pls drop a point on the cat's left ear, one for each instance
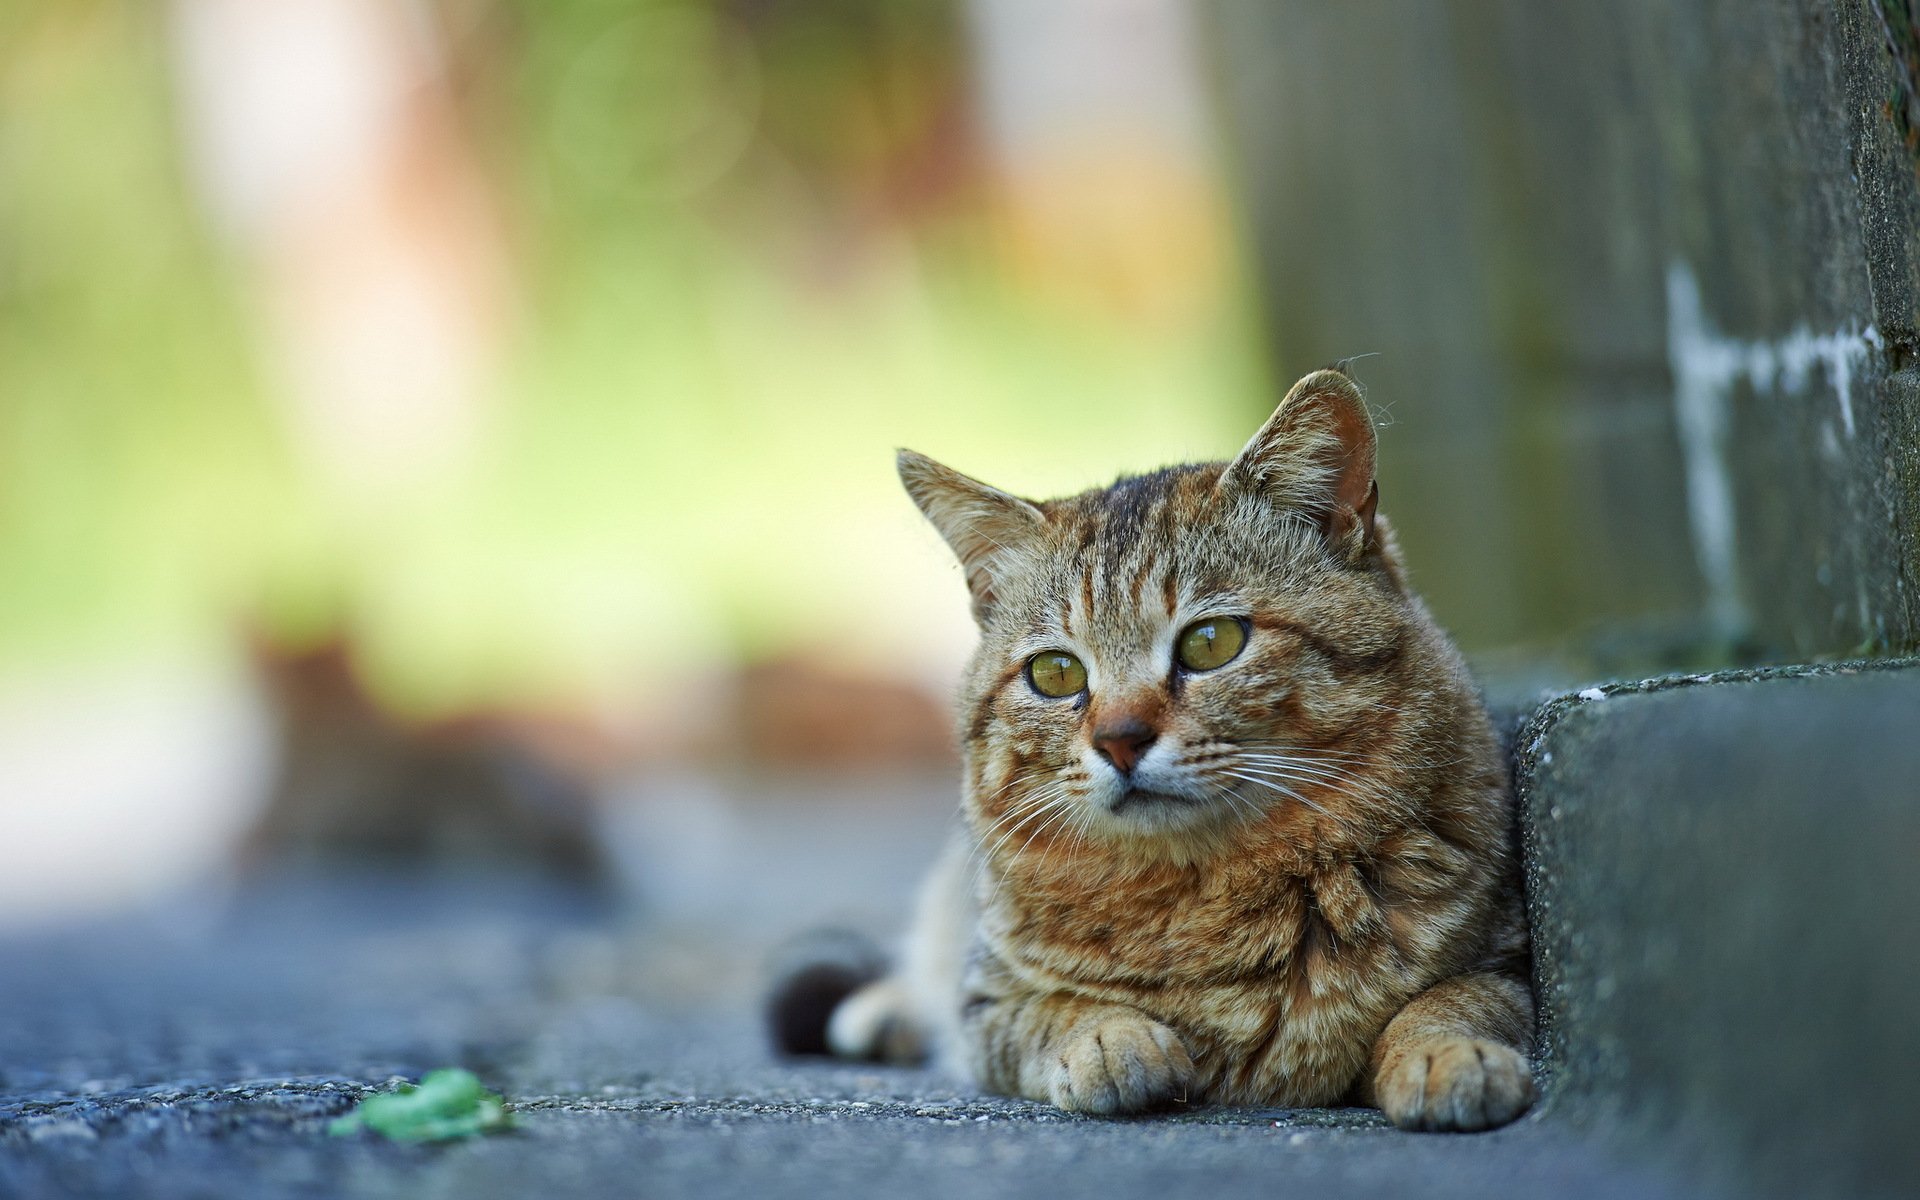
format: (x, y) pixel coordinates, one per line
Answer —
(1316, 455)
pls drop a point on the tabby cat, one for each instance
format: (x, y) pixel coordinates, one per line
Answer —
(1237, 827)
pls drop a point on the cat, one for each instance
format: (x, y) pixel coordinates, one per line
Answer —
(1238, 829)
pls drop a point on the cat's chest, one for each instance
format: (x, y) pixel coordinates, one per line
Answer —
(1204, 932)
(1277, 982)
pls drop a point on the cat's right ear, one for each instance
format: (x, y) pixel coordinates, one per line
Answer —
(983, 524)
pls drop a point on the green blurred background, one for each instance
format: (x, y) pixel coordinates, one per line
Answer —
(699, 269)
(389, 391)
(415, 409)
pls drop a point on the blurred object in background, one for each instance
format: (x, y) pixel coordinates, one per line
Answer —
(796, 713)
(118, 784)
(329, 152)
(1109, 195)
(549, 358)
(356, 787)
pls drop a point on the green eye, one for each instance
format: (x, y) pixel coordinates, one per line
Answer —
(1056, 673)
(1212, 643)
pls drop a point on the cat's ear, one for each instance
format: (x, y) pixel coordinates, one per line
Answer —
(1315, 455)
(982, 524)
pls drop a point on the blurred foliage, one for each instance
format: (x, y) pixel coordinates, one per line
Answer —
(447, 1105)
(140, 480)
(755, 249)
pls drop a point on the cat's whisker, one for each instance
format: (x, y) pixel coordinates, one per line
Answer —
(1010, 784)
(1032, 801)
(1027, 809)
(1039, 795)
(1030, 809)
(1330, 771)
(1401, 805)
(1293, 759)
(1338, 757)
(1339, 781)
(1304, 780)
(1294, 772)
(1031, 813)
(1078, 826)
(1275, 784)
(1289, 793)
(1309, 770)
(1025, 805)
(1326, 754)
(1307, 756)
(1378, 796)
(1086, 826)
(1071, 775)
(1241, 804)
(1064, 808)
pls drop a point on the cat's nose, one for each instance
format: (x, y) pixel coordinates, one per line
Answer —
(1123, 742)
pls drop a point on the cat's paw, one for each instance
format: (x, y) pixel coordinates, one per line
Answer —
(878, 1024)
(1454, 1083)
(1119, 1063)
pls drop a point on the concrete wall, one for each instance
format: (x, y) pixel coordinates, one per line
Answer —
(1641, 282)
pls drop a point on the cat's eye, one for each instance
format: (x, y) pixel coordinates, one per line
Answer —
(1056, 673)
(1211, 643)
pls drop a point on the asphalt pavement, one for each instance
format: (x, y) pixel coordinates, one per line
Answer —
(202, 1050)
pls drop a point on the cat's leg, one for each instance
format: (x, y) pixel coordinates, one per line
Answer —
(1083, 1055)
(911, 1014)
(1454, 1057)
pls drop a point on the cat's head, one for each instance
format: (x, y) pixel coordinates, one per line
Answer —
(1188, 651)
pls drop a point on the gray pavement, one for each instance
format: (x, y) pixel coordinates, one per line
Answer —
(195, 1057)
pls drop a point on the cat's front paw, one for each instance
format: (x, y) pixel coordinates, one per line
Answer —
(1119, 1063)
(1454, 1083)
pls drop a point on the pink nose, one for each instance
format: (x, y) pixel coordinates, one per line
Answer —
(1123, 742)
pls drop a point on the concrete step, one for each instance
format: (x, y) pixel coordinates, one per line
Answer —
(1724, 876)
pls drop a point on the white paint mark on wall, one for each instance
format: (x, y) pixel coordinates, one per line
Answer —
(1706, 366)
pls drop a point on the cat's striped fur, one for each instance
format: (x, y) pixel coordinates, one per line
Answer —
(1303, 893)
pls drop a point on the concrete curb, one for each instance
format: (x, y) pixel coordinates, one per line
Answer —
(1717, 868)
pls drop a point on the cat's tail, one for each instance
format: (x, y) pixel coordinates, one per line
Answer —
(810, 977)
(835, 993)
(831, 994)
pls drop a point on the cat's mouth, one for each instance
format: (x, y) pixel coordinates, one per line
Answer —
(1141, 798)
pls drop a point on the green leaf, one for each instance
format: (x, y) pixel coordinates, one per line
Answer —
(447, 1104)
